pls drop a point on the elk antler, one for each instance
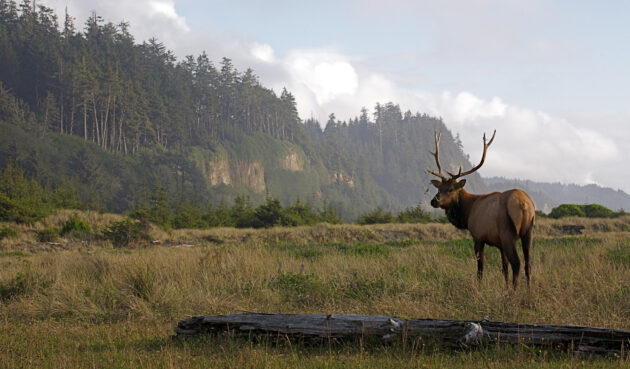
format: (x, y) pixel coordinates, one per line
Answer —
(483, 157)
(436, 154)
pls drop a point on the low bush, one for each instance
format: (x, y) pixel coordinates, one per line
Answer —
(8, 232)
(413, 215)
(597, 211)
(127, 231)
(567, 210)
(48, 235)
(376, 216)
(21, 200)
(587, 211)
(76, 226)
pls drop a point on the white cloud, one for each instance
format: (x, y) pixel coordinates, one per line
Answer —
(167, 9)
(147, 18)
(326, 74)
(530, 144)
(263, 52)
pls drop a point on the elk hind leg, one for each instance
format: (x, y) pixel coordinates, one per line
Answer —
(526, 242)
(505, 268)
(509, 254)
(512, 256)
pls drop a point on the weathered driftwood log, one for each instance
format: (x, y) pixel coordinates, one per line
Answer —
(571, 228)
(458, 333)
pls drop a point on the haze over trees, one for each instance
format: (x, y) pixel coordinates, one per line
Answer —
(115, 119)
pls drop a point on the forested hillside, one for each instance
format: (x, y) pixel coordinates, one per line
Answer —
(92, 109)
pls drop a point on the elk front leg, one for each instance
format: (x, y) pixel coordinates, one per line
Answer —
(480, 258)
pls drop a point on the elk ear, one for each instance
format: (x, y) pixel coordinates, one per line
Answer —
(460, 184)
(436, 183)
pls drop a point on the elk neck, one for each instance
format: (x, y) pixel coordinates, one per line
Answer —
(459, 212)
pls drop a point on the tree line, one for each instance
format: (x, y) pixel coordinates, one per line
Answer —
(98, 84)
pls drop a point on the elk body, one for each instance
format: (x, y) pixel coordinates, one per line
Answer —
(498, 219)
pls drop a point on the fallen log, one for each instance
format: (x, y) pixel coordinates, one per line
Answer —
(453, 333)
(571, 229)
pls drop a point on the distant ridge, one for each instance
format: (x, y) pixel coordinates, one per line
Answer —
(546, 196)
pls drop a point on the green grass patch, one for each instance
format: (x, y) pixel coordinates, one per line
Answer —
(620, 255)
(300, 289)
(316, 250)
(401, 243)
(568, 242)
(8, 232)
(463, 248)
(13, 254)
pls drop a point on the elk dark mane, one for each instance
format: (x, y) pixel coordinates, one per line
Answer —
(455, 215)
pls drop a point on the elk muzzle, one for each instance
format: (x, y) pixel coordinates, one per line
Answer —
(435, 201)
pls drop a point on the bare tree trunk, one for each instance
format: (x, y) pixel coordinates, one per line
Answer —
(72, 115)
(104, 122)
(96, 123)
(84, 119)
(61, 115)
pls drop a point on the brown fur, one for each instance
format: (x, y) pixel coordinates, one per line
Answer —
(497, 219)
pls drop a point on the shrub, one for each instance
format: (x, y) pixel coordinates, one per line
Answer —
(188, 216)
(127, 231)
(21, 200)
(567, 210)
(76, 226)
(159, 211)
(589, 211)
(219, 217)
(242, 213)
(8, 232)
(300, 214)
(48, 235)
(329, 215)
(376, 216)
(269, 214)
(597, 211)
(413, 215)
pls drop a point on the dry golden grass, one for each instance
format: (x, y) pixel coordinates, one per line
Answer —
(419, 271)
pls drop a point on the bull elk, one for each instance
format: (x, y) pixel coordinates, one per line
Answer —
(498, 219)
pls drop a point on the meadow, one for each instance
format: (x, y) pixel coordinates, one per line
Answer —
(81, 302)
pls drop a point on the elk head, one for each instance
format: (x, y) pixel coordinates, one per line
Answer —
(448, 188)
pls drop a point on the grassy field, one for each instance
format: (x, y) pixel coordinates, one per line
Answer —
(79, 303)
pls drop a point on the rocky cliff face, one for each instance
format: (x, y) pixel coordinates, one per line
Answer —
(292, 162)
(250, 174)
(340, 178)
(219, 172)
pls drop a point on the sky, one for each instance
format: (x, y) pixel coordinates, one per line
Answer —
(550, 76)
